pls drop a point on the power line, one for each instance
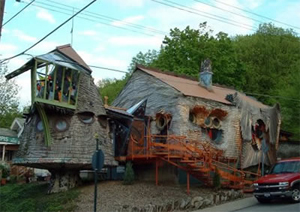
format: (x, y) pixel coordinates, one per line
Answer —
(167, 79)
(254, 94)
(83, 16)
(103, 17)
(96, 21)
(18, 12)
(94, 66)
(109, 69)
(256, 14)
(49, 33)
(266, 95)
(221, 19)
(188, 83)
(115, 19)
(229, 11)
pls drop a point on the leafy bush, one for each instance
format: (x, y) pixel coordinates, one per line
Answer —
(13, 179)
(5, 171)
(129, 174)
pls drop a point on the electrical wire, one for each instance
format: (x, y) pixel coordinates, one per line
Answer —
(209, 14)
(92, 20)
(83, 16)
(18, 13)
(109, 69)
(230, 11)
(182, 7)
(94, 66)
(115, 19)
(39, 41)
(188, 83)
(89, 14)
(256, 14)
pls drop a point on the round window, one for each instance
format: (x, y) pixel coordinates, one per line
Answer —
(86, 118)
(192, 117)
(208, 122)
(40, 126)
(161, 122)
(61, 125)
(216, 122)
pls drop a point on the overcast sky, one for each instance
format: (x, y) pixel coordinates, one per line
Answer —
(110, 32)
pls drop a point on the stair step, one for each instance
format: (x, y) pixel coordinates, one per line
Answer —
(202, 169)
(187, 161)
(160, 153)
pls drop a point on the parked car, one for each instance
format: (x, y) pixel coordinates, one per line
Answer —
(283, 181)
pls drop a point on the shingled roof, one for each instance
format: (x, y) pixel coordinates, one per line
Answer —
(191, 87)
(68, 51)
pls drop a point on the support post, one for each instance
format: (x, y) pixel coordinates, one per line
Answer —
(156, 172)
(3, 152)
(188, 183)
(96, 175)
(262, 163)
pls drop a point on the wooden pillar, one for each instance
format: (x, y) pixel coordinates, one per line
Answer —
(188, 182)
(156, 172)
(3, 152)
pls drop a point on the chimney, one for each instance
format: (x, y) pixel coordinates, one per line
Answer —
(205, 78)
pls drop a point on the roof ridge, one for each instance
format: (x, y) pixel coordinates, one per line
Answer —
(183, 76)
(75, 57)
(167, 72)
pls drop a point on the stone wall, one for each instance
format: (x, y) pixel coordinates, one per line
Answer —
(188, 204)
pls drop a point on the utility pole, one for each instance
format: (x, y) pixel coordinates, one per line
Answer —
(2, 5)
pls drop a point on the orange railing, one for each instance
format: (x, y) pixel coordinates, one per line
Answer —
(195, 157)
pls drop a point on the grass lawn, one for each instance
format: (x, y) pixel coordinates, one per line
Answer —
(32, 197)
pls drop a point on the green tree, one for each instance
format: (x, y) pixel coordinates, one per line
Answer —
(145, 59)
(290, 106)
(270, 63)
(129, 174)
(184, 51)
(111, 88)
(267, 57)
(8, 99)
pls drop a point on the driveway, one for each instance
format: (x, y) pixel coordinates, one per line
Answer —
(250, 204)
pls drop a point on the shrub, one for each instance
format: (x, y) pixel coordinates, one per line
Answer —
(5, 171)
(217, 179)
(13, 179)
(129, 174)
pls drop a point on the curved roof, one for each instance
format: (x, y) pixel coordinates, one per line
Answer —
(190, 87)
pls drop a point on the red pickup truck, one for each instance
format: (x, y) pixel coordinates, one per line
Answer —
(283, 181)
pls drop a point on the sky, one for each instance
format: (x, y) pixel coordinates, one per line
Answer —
(110, 32)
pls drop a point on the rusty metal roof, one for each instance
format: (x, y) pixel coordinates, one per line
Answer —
(190, 87)
(68, 51)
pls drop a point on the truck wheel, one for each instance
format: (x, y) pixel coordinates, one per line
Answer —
(295, 194)
(263, 201)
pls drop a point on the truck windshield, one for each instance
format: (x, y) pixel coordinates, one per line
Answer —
(286, 167)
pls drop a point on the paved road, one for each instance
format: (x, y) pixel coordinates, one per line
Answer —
(272, 207)
(251, 205)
